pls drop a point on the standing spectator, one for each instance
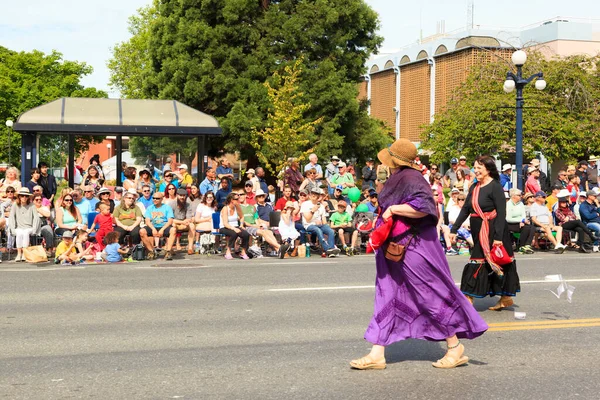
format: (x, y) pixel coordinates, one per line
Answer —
(561, 179)
(533, 181)
(251, 175)
(182, 221)
(225, 172)
(95, 162)
(35, 179)
(552, 199)
(222, 193)
(435, 180)
(23, 221)
(167, 165)
(573, 186)
(505, 177)
(93, 178)
(145, 179)
(462, 164)
(583, 176)
(118, 195)
(159, 221)
(330, 170)
(343, 178)
(11, 179)
(369, 174)
(293, 177)
(590, 216)
(350, 169)
(313, 219)
(517, 220)
(260, 174)
(128, 218)
(592, 172)
(209, 183)
(249, 189)
(230, 225)
(105, 221)
(168, 178)
(542, 218)
(123, 168)
(272, 196)
(184, 177)
(450, 175)
(47, 182)
(313, 163)
(287, 196)
(461, 183)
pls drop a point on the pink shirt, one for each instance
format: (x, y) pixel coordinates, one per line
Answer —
(532, 185)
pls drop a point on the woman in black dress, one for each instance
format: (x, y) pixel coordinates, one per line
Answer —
(486, 206)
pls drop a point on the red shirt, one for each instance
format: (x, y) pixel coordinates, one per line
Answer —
(105, 222)
(533, 185)
(280, 205)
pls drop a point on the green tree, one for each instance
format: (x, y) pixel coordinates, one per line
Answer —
(30, 79)
(561, 121)
(215, 55)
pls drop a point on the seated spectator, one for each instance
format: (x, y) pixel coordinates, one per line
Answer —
(146, 197)
(580, 199)
(82, 204)
(128, 218)
(65, 251)
(263, 209)
(230, 226)
(341, 221)
(552, 199)
(104, 196)
(287, 228)
(105, 221)
(222, 193)
(505, 177)
(203, 216)
(249, 189)
(224, 171)
(159, 221)
(89, 196)
(343, 178)
(373, 203)
(45, 221)
(566, 218)
(83, 248)
(112, 252)
(170, 195)
(23, 222)
(590, 216)
(462, 183)
(68, 217)
(542, 220)
(465, 230)
(182, 221)
(453, 198)
(118, 195)
(287, 196)
(256, 226)
(130, 179)
(313, 220)
(271, 196)
(518, 222)
(310, 180)
(338, 195)
(168, 178)
(302, 197)
(435, 180)
(443, 229)
(186, 179)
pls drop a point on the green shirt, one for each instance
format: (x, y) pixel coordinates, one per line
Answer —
(515, 213)
(250, 215)
(338, 219)
(338, 179)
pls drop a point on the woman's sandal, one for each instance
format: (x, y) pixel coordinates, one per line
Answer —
(367, 362)
(504, 302)
(451, 362)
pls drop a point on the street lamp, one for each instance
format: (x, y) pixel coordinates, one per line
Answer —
(517, 81)
(9, 124)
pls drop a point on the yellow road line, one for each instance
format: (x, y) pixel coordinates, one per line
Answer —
(536, 327)
(549, 322)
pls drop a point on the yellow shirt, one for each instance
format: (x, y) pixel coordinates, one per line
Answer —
(186, 179)
(62, 248)
(550, 202)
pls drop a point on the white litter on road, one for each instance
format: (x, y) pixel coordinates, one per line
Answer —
(562, 287)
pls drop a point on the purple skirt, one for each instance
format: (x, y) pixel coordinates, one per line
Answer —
(417, 298)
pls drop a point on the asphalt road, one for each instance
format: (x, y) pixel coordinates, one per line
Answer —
(204, 328)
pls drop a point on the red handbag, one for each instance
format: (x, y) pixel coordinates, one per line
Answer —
(500, 255)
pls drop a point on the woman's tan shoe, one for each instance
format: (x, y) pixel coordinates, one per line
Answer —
(505, 301)
(367, 362)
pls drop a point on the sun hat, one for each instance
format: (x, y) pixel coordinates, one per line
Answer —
(334, 158)
(591, 193)
(316, 190)
(594, 158)
(534, 161)
(259, 192)
(183, 166)
(102, 191)
(563, 193)
(341, 164)
(506, 167)
(455, 190)
(462, 158)
(289, 204)
(132, 192)
(24, 192)
(582, 194)
(527, 196)
(532, 169)
(400, 153)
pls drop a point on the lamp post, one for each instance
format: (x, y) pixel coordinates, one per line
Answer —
(517, 81)
(9, 124)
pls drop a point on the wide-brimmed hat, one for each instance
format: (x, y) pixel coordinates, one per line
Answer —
(260, 192)
(289, 204)
(132, 192)
(24, 192)
(506, 167)
(102, 191)
(594, 158)
(563, 193)
(400, 153)
(251, 171)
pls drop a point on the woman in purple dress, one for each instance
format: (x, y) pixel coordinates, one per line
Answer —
(415, 297)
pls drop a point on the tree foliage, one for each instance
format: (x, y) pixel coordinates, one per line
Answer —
(561, 121)
(286, 133)
(215, 55)
(30, 79)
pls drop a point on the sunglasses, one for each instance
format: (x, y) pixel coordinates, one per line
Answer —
(38, 199)
(236, 198)
(249, 185)
(433, 168)
(10, 191)
(209, 197)
(171, 188)
(156, 198)
(241, 194)
(129, 198)
(146, 191)
(303, 194)
(23, 195)
(87, 191)
(68, 200)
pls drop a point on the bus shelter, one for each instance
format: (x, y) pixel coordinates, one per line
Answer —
(115, 117)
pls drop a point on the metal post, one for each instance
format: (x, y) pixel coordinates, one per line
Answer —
(27, 159)
(519, 129)
(119, 150)
(71, 162)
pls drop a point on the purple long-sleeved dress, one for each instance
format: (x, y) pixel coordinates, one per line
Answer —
(417, 298)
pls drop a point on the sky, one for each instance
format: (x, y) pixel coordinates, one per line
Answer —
(86, 30)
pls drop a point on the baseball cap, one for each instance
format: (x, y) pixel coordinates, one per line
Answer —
(455, 190)
(591, 193)
(454, 161)
(251, 171)
(67, 235)
(341, 164)
(342, 203)
(506, 167)
(315, 190)
(339, 187)
(372, 193)
(249, 183)
(582, 194)
(462, 158)
(183, 166)
(182, 191)
(334, 158)
(540, 194)
(303, 191)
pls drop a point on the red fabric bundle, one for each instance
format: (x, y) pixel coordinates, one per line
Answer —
(379, 235)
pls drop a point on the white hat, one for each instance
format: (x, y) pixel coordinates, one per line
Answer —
(582, 194)
(534, 161)
(597, 190)
(183, 166)
(455, 190)
(563, 193)
(531, 169)
(506, 167)
(259, 192)
(251, 171)
(132, 192)
(316, 190)
(341, 164)
(462, 158)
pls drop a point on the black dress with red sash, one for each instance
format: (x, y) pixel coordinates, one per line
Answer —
(479, 279)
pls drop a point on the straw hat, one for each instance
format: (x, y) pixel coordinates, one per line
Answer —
(400, 153)
(24, 192)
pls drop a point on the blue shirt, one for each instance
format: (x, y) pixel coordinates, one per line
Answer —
(220, 197)
(264, 211)
(207, 185)
(146, 202)
(163, 185)
(224, 171)
(505, 182)
(317, 167)
(589, 212)
(112, 252)
(372, 207)
(264, 186)
(84, 209)
(92, 202)
(159, 216)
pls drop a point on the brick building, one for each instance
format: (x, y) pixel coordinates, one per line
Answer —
(407, 88)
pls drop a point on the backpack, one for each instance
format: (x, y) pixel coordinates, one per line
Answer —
(138, 253)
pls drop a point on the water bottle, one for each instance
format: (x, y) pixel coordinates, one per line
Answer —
(307, 250)
(197, 248)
